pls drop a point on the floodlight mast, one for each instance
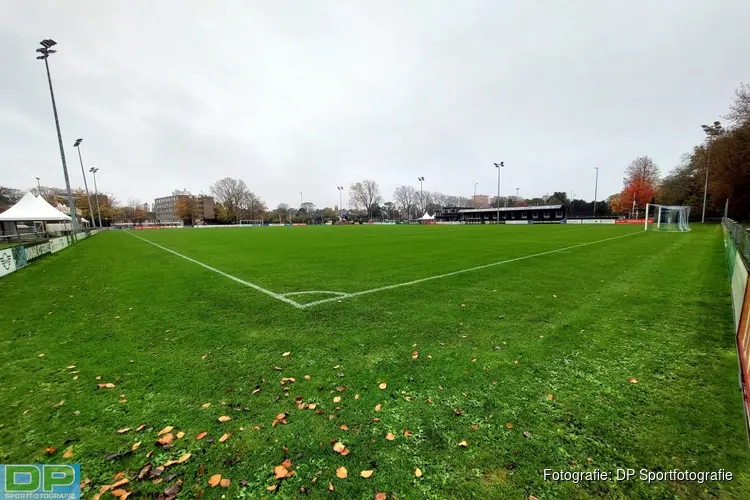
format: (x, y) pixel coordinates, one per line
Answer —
(499, 167)
(77, 145)
(94, 170)
(45, 50)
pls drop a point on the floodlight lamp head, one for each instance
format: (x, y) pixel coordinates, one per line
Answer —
(47, 43)
(77, 143)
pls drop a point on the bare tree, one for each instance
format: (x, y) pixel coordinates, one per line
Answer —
(405, 197)
(283, 210)
(739, 111)
(642, 170)
(233, 194)
(365, 195)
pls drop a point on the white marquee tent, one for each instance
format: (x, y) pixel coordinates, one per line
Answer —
(31, 208)
(427, 216)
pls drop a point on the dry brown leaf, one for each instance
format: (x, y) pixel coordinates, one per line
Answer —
(307, 377)
(341, 473)
(140, 428)
(71, 367)
(337, 399)
(356, 396)
(475, 427)
(180, 435)
(330, 486)
(75, 378)
(173, 490)
(165, 430)
(463, 444)
(366, 473)
(418, 472)
(123, 430)
(344, 427)
(286, 354)
(105, 488)
(382, 386)
(120, 483)
(205, 405)
(135, 446)
(509, 425)
(68, 453)
(271, 487)
(200, 435)
(407, 433)
(633, 380)
(527, 434)
(184, 458)
(550, 397)
(345, 452)
(378, 407)
(58, 405)
(337, 367)
(280, 472)
(256, 390)
(532, 497)
(223, 437)
(224, 483)
(214, 480)
(166, 439)
(311, 406)
(224, 418)
(118, 476)
(121, 494)
(108, 385)
(338, 447)
(390, 436)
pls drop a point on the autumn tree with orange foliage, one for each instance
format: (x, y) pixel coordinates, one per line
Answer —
(640, 185)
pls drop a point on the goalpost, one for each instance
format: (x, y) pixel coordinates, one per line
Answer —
(673, 218)
(251, 222)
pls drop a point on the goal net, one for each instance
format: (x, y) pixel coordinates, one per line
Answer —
(667, 218)
(251, 222)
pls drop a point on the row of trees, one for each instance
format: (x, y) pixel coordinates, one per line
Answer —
(721, 164)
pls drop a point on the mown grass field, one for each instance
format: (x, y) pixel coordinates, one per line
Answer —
(531, 363)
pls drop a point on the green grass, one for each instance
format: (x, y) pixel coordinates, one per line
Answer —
(580, 323)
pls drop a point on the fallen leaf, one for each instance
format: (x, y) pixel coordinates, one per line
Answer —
(337, 399)
(633, 380)
(271, 487)
(173, 490)
(286, 354)
(338, 447)
(75, 378)
(366, 473)
(119, 483)
(120, 493)
(532, 497)
(68, 453)
(463, 444)
(108, 385)
(165, 430)
(341, 473)
(307, 377)
(475, 427)
(344, 427)
(184, 458)
(224, 483)
(256, 391)
(337, 367)
(390, 436)
(71, 367)
(527, 434)
(379, 496)
(224, 418)
(223, 437)
(378, 407)
(205, 405)
(166, 439)
(383, 386)
(135, 446)
(429, 400)
(123, 430)
(311, 406)
(200, 435)
(204, 356)
(509, 425)
(418, 472)
(214, 480)
(330, 486)
(356, 396)
(550, 397)
(180, 435)
(140, 428)
(280, 472)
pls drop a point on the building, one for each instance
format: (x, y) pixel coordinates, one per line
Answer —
(450, 214)
(540, 214)
(480, 201)
(203, 207)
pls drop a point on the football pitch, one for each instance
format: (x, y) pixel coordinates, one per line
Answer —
(437, 361)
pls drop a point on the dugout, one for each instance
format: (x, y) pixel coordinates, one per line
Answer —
(541, 214)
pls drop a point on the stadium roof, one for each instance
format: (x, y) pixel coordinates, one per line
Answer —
(32, 208)
(511, 209)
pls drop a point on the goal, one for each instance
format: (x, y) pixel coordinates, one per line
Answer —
(251, 222)
(667, 218)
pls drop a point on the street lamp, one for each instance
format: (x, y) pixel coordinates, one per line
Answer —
(596, 188)
(45, 50)
(341, 202)
(474, 199)
(421, 192)
(499, 167)
(77, 145)
(711, 132)
(38, 187)
(94, 170)
(572, 201)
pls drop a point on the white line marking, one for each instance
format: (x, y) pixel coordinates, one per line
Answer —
(238, 280)
(414, 282)
(311, 292)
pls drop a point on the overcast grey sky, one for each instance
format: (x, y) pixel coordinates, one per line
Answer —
(307, 95)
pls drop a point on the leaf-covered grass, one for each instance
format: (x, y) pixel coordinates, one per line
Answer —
(544, 346)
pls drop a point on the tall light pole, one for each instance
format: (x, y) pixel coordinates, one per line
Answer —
(572, 201)
(596, 188)
(341, 202)
(45, 50)
(94, 170)
(421, 193)
(517, 199)
(38, 187)
(499, 167)
(300, 199)
(474, 199)
(711, 132)
(77, 145)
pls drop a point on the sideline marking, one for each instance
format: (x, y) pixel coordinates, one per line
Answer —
(461, 271)
(238, 280)
(312, 292)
